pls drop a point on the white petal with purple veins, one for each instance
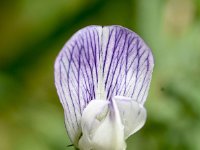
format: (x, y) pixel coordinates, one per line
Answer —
(109, 63)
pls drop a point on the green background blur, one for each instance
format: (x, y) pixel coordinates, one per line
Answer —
(32, 32)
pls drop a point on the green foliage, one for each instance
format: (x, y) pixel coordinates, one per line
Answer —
(33, 32)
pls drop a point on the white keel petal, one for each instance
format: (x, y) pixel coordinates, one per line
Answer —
(102, 127)
(92, 117)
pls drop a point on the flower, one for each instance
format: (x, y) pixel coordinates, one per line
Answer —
(102, 76)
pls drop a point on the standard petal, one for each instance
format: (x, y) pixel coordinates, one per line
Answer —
(133, 114)
(100, 63)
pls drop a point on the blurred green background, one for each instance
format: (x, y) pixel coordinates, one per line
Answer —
(32, 32)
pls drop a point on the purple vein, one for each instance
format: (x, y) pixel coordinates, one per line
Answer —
(73, 72)
(105, 58)
(87, 60)
(69, 66)
(79, 66)
(95, 58)
(138, 64)
(126, 66)
(143, 78)
(93, 48)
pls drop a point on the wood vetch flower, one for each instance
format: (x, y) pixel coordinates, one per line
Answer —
(102, 76)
